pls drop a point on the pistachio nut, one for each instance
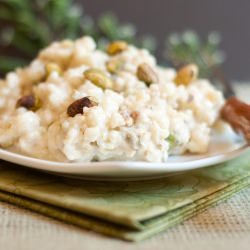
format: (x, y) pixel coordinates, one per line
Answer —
(99, 78)
(77, 106)
(116, 47)
(30, 102)
(186, 74)
(113, 66)
(52, 67)
(146, 74)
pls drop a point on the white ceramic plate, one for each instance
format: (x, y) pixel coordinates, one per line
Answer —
(222, 148)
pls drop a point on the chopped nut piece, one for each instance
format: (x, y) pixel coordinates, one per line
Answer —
(135, 115)
(186, 74)
(146, 74)
(29, 102)
(113, 66)
(77, 106)
(116, 47)
(99, 78)
(190, 98)
(171, 140)
(93, 99)
(51, 67)
(237, 114)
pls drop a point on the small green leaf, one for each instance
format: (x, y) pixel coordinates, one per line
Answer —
(9, 63)
(171, 140)
(148, 42)
(191, 39)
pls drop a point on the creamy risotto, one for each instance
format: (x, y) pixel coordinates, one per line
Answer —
(77, 103)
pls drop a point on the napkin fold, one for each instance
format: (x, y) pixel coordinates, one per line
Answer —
(128, 210)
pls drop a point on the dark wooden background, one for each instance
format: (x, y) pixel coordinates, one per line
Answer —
(160, 17)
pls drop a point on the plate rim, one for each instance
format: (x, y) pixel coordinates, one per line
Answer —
(93, 168)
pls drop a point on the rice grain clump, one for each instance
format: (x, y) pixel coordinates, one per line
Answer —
(123, 117)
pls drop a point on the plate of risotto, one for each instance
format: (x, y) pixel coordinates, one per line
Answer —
(114, 114)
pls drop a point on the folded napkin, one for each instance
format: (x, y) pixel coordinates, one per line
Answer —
(128, 210)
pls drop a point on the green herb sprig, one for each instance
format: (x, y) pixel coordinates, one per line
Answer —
(28, 26)
(188, 47)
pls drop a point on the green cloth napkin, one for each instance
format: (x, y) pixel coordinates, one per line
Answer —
(128, 210)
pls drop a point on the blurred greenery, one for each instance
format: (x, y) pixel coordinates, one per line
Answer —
(26, 26)
(187, 47)
(29, 25)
